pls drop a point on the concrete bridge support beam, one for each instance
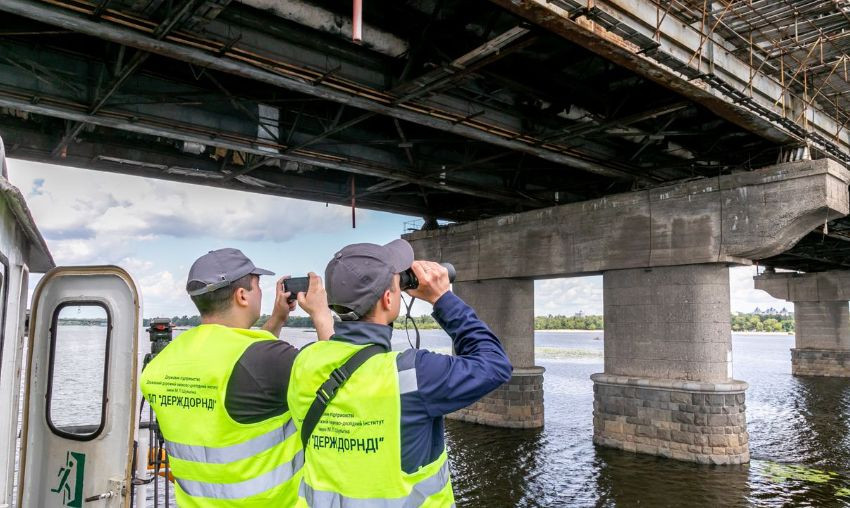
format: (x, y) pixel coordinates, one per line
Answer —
(822, 319)
(667, 387)
(507, 306)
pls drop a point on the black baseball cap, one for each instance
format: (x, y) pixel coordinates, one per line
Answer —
(218, 268)
(360, 273)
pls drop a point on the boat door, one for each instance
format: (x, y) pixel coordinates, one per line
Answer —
(80, 396)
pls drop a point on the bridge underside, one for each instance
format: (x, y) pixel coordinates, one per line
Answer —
(449, 109)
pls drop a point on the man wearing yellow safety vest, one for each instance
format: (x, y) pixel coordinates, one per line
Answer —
(372, 418)
(219, 389)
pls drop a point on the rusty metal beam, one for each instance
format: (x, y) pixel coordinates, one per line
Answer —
(116, 120)
(178, 48)
(500, 46)
(102, 156)
(169, 24)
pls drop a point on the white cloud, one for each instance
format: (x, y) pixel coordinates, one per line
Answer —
(164, 294)
(101, 218)
(568, 296)
(745, 297)
(86, 216)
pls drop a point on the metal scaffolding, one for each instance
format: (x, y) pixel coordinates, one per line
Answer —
(802, 44)
(780, 66)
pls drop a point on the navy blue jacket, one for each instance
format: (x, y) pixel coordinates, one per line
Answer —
(432, 384)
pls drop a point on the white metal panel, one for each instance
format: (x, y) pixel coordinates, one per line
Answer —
(14, 249)
(21, 247)
(10, 377)
(56, 470)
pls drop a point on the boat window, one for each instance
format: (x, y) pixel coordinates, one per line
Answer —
(79, 364)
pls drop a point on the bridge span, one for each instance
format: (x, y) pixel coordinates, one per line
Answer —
(656, 143)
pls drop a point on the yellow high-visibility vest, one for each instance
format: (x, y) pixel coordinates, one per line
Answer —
(216, 461)
(353, 458)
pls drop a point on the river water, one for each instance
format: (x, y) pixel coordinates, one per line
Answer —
(795, 425)
(799, 438)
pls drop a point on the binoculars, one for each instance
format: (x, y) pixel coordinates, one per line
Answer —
(408, 279)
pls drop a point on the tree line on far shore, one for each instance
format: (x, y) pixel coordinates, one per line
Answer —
(756, 321)
(771, 320)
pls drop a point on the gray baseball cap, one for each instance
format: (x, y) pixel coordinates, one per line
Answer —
(360, 273)
(218, 268)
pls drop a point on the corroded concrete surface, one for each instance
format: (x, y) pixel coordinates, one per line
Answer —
(664, 254)
(516, 404)
(822, 319)
(695, 422)
(806, 287)
(667, 387)
(668, 322)
(820, 362)
(733, 218)
(507, 306)
(822, 325)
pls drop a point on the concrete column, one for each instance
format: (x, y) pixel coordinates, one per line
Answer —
(822, 319)
(507, 306)
(667, 388)
(822, 325)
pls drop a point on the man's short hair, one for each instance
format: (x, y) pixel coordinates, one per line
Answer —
(374, 308)
(219, 300)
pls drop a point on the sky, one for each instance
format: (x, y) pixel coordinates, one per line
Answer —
(155, 229)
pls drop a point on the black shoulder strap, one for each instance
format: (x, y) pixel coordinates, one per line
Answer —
(328, 390)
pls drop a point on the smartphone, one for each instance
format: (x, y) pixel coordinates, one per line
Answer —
(296, 285)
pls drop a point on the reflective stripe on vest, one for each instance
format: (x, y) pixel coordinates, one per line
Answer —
(247, 488)
(407, 381)
(421, 491)
(223, 455)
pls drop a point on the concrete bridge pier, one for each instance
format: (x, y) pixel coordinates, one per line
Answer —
(664, 254)
(667, 388)
(822, 319)
(507, 306)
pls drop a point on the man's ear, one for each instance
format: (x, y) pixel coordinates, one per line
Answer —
(386, 299)
(239, 297)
